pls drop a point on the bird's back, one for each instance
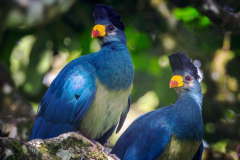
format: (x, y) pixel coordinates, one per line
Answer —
(145, 138)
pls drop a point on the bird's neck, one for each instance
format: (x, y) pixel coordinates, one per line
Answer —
(105, 44)
(111, 43)
(188, 123)
(113, 66)
(119, 38)
(194, 95)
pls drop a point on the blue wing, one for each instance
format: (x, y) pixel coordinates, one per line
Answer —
(145, 139)
(198, 155)
(66, 101)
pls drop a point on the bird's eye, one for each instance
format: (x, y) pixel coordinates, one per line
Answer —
(110, 27)
(188, 78)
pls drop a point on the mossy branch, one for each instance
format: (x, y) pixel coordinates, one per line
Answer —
(66, 146)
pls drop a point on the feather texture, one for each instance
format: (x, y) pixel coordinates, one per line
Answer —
(198, 155)
(139, 142)
(66, 101)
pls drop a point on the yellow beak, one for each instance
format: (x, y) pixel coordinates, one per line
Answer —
(176, 81)
(98, 30)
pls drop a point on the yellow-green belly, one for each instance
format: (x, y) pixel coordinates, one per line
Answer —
(104, 112)
(179, 150)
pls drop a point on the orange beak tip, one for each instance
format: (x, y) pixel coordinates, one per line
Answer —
(173, 84)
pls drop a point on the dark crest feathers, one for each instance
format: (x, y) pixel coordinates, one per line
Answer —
(179, 61)
(103, 12)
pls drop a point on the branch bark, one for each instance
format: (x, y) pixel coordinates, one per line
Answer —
(227, 20)
(66, 146)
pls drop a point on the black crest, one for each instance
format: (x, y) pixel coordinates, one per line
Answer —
(179, 61)
(106, 13)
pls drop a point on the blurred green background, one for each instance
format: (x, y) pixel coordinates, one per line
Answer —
(38, 38)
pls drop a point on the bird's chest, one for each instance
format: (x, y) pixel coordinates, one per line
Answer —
(187, 124)
(104, 112)
(179, 149)
(115, 71)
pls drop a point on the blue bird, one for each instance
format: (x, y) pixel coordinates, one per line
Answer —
(92, 93)
(173, 132)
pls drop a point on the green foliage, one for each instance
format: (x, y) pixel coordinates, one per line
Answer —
(186, 14)
(190, 14)
(230, 114)
(137, 41)
(220, 146)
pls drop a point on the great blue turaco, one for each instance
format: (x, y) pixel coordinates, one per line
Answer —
(91, 93)
(173, 132)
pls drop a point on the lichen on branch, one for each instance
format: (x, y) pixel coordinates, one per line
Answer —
(66, 146)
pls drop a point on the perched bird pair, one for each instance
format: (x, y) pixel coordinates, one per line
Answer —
(92, 94)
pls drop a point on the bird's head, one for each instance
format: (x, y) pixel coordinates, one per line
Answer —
(108, 25)
(185, 75)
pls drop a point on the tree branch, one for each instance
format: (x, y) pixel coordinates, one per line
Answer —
(66, 146)
(227, 20)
